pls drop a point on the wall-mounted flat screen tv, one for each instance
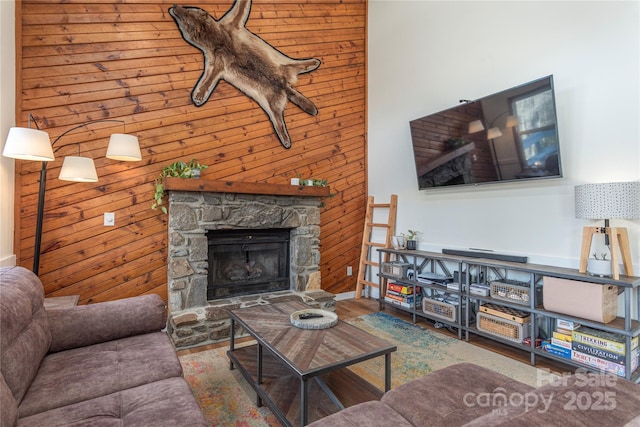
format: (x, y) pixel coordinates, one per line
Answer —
(508, 136)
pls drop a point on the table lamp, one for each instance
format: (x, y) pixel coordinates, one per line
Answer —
(619, 200)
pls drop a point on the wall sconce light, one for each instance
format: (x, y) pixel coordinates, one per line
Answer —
(35, 145)
(605, 201)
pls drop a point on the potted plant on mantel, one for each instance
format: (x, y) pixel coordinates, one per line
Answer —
(177, 169)
(411, 239)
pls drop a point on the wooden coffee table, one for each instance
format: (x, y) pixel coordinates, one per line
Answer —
(302, 355)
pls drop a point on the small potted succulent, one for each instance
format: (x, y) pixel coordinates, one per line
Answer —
(599, 265)
(410, 239)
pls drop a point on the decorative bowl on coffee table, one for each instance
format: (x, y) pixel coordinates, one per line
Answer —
(313, 318)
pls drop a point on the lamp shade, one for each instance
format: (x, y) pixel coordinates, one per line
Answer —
(28, 144)
(124, 147)
(512, 121)
(608, 200)
(493, 133)
(78, 169)
(476, 126)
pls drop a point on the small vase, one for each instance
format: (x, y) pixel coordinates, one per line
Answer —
(412, 244)
(397, 242)
(599, 267)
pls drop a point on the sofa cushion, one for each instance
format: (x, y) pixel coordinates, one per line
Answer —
(25, 337)
(8, 405)
(164, 403)
(449, 396)
(370, 414)
(585, 398)
(84, 325)
(84, 373)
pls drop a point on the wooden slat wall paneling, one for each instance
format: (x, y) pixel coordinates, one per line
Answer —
(94, 59)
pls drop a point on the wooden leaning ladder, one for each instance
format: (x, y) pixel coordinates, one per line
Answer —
(367, 256)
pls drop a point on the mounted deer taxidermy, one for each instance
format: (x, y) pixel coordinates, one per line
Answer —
(241, 58)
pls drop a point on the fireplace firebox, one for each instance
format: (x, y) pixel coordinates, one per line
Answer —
(247, 262)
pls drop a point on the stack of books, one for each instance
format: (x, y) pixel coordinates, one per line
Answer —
(561, 340)
(597, 349)
(402, 295)
(603, 350)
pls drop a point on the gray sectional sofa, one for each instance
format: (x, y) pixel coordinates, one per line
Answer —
(470, 395)
(105, 364)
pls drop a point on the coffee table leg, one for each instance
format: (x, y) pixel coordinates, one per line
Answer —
(232, 341)
(259, 374)
(304, 391)
(387, 372)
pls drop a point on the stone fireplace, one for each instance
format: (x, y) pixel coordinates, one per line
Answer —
(197, 217)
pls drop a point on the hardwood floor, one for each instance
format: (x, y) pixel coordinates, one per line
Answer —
(352, 308)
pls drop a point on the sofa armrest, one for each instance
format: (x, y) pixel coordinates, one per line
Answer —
(85, 325)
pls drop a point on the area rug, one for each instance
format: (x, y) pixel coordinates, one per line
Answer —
(421, 351)
(227, 400)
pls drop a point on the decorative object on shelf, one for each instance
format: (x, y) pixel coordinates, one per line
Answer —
(310, 182)
(620, 200)
(453, 143)
(398, 242)
(395, 269)
(244, 60)
(35, 144)
(177, 169)
(599, 266)
(313, 318)
(412, 243)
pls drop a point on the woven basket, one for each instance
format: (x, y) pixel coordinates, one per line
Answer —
(512, 291)
(503, 328)
(439, 309)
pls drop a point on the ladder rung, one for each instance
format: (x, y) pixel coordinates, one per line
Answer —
(376, 244)
(375, 264)
(381, 205)
(370, 224)
(368, 283)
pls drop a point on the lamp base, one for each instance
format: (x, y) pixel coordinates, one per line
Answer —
(618, 237)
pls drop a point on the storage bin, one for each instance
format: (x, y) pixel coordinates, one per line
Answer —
(439, 309)
(512, 291)
(503, 328)
(589, 301)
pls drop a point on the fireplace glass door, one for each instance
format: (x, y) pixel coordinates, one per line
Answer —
(246, 262)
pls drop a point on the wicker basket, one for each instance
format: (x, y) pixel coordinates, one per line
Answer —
(512, 291)
(503, 328)
(439, 309)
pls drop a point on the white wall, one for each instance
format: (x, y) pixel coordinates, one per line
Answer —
(424, 56)
(7, 120)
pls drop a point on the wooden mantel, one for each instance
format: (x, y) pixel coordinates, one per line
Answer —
(211, 186)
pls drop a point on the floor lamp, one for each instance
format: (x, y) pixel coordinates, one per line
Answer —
(35, 145)
(619, 200)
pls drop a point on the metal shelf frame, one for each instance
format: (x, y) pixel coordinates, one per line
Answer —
(436, 262)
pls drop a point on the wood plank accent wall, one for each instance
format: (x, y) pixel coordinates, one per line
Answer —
(95, 59)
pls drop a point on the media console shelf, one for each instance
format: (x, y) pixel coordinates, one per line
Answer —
(449, 300)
